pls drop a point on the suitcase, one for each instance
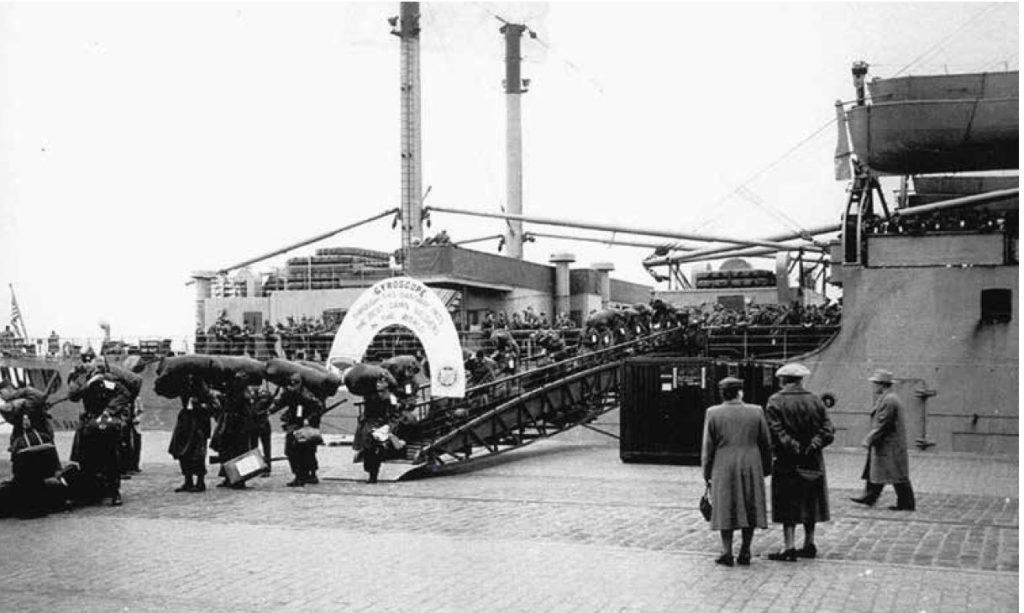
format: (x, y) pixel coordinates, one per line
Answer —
(246, 466)
(36, 460)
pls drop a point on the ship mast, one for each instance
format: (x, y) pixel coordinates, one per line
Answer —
(514, 89)
(407, 27)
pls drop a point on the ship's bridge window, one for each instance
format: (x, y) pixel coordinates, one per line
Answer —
(996, 306)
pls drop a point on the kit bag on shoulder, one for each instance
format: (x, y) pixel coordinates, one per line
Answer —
(34, 457)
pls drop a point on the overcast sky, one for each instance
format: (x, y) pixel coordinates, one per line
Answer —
(139, 142)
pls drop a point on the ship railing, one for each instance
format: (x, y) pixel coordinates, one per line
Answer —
(58, 347)
(767, 342)
(386, 344)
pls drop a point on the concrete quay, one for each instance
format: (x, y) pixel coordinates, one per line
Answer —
(561, 525)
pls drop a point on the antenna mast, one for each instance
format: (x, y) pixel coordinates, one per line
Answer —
(407, 27)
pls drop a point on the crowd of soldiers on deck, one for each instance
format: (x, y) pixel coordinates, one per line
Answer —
(960, 220)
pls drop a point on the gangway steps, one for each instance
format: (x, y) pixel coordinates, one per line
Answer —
(516, 411)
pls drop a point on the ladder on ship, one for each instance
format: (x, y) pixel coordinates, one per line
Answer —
(512, 412)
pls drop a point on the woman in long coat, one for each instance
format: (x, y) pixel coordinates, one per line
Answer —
(800, 429)
(736, 455)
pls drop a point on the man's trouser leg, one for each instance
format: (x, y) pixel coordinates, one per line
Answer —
(871, 493)
(905, 495)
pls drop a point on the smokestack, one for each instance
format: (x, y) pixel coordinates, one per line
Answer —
(562, 291)
(514, 135)
(407, 28)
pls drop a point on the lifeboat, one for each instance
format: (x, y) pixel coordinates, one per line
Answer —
(938, 123)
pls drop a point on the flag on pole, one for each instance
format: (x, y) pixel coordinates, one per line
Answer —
(16, 321)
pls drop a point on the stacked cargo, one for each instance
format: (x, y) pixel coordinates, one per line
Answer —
(734, 278)
(330, 268)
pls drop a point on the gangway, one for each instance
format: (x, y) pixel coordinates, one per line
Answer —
(509, 413)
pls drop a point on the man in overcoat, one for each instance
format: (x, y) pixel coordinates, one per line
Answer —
(886, 442)
(800, 429)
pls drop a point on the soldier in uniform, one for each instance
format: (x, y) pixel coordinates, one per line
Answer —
(261, 434)
(236, 424)
(886, 443)
(33, 408)
(302, 408)
(377, 413)
(97, 445)
(191, 432)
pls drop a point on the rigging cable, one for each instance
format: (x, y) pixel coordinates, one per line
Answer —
(764, 170)
(946, 38)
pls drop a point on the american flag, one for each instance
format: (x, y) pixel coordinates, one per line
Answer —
(16, 322)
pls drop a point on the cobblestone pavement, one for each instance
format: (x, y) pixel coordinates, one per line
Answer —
(560, 526)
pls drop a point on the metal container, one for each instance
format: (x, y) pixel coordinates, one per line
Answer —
(664, 400)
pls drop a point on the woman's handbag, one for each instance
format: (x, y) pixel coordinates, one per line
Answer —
(809, 476)
(705, 504)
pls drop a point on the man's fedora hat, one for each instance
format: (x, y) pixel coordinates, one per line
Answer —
(881, 376)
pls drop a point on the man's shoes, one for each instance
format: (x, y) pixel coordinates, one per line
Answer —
(807, 551)
(312, 480)
(786, 555)
(899, 508)
(864, 501)
(200, 487)
(188, 487)
(743, 559)
(116, 500)
(296, 482)
(725, 559)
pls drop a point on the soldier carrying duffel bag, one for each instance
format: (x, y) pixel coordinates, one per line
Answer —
(106, 403)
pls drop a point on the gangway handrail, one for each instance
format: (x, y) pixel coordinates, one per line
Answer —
(482, 418)
(423, 409)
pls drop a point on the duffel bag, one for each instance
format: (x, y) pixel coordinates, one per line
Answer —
(362, 379)
(229, 365)
(34, 457)
(126, 378)
(201, 365)
(322, 383)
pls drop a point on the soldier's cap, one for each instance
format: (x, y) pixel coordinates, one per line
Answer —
(793, 370)
(881, 376)
(730, 383)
